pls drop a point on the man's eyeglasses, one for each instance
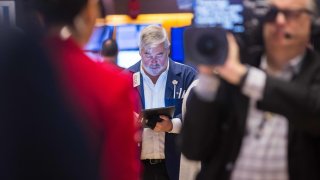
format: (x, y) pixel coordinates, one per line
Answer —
(289, 14)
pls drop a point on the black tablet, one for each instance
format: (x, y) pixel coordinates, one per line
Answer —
(151, 116)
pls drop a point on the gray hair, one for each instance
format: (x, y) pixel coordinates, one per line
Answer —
(152, 36)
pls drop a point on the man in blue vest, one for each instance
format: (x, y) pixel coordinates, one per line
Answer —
(160, 82)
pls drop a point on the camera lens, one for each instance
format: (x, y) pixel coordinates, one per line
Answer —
(207, 45)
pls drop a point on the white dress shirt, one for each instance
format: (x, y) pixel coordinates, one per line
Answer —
(153, 142)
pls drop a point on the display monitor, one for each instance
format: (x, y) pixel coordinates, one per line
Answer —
(127, 36)
(128, 58)
(224, 13)
(7, 12)
(177, 52)
(99, 34)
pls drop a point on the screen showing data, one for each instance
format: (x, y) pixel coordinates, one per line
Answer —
(224, 13)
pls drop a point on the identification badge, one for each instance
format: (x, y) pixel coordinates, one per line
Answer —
(136, 79)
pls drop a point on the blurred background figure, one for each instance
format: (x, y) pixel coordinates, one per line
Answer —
(104, 110)
(109, 51)
(39, 134)
(260, 121)
(189, 169)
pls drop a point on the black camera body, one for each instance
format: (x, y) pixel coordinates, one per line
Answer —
(205, 42)
(205, 45)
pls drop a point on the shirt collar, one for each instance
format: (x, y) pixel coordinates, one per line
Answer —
(293, 66)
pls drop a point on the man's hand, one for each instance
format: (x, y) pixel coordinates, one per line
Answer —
(232, 70)
(164, 126)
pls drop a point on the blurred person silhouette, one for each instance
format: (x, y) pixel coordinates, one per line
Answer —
(109, 51)
(188, 168)
(160, 82)
(38, 133)
(89, 87)
(260, 121)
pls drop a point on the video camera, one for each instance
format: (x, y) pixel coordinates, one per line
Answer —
(205, 41)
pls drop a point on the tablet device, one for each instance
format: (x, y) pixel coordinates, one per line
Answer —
(150, 117)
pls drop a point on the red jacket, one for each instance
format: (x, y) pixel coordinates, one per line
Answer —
(103, 97)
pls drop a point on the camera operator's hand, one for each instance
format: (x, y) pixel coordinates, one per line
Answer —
(232, 70)
(165, 125)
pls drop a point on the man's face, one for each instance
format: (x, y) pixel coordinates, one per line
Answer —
(290, 26)
(154, 60)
